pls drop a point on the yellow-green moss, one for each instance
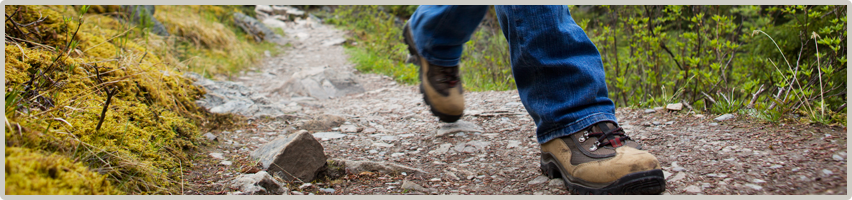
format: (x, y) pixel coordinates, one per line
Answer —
(30, 172)
(150, 121)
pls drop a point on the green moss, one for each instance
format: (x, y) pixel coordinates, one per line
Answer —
(29, 172)
(150, 122)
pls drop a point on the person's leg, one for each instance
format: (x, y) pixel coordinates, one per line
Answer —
(435, 35)
(560, 79)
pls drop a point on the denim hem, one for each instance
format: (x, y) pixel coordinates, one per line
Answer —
(439, 62)
(576, 126)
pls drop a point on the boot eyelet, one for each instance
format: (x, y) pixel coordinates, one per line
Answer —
(582, 139)
(593, 148)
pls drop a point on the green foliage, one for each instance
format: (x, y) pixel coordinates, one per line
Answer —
(706, 56)
(380, 49)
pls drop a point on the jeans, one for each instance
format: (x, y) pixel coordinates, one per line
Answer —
(557, 69)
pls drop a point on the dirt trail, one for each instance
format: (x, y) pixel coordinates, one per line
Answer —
(699, 155)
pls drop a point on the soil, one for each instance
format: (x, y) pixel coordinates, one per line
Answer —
(699, 155)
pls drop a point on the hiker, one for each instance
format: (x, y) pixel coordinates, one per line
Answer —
(560, 79)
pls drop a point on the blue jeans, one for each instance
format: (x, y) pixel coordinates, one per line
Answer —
(557, 69)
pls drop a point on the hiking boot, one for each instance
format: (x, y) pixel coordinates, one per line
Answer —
(440, 86)
(602, 160)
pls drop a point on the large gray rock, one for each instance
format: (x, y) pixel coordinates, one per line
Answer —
(296, 156)
(144, 15)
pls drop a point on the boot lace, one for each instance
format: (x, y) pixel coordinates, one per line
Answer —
(606, 138)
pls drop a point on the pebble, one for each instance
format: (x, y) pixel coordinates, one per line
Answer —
(678, 177)
(369, 131)
(513, 143)
(210, 136)
(693, 189)
(373, 151)
(556, 183)
(329, 135)
(669, 122)
(656, 123)
(650, 111)
(217, 155)
(837, 157)
(435, 179)
(775, 166)
(397, 154)
(667, 174)
(327, 190)
(724, 117)
(679, 169)
(349, 129)
(795, 169)
(306, 185)
(538, 180)
(753, 186)
(758, 181)
(706, 185)
(382, 144)
(827, 172)
(714, 124)
(226, 163)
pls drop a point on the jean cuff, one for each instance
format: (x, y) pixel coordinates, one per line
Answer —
(576, 126)
(439, 62)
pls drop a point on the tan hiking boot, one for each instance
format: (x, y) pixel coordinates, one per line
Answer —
(441, 86)
(602, 160)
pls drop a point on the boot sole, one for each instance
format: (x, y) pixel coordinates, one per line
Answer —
(416, 61)
(642, 183)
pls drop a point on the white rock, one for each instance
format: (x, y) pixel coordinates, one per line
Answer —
(724, 117)
(349, 128)
(538, 180)
(675, 106)
(758, 181)
(217, 155)
(556, 183)
(329, 135)
(753, 186)
(827, 172)
(397, 154)
(678, 176)
(226, 163)
(837, 157)
(679, 169)
(382, 144)
(667, 174)
(650, 111)
(775, 166)
(513, 143)
(692, 189)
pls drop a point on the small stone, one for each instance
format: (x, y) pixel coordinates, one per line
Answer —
(837, 157)
(369, 131)
(753, 186)
(692, 189)
(373, 151)
(648, 111)
(296, 193)
(556, 183)
(758, 181)
(795, 169)
(226, 163)
(382, 144)
(453, 176)
(327, 190)
(388, 138)
(712, 175)
(646, 124)
(458, 126)
(538, 180)
(714, 124)
(678, 177)
(435, 179)
(724, 117)
(217, 155)
(669, 122)
(305, 186)
(329, 135)
(827, 172)
(706, 185)
(513, 143)
(406, 184)
(775, 166)
(210, 137)
(656, 123)
(667, 174)
(675, 106)
(699, 116)
(349, 128)
(679, 169)
(258, 183)
(397, 154)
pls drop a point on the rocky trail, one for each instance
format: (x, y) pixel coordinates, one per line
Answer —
(380, 138)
